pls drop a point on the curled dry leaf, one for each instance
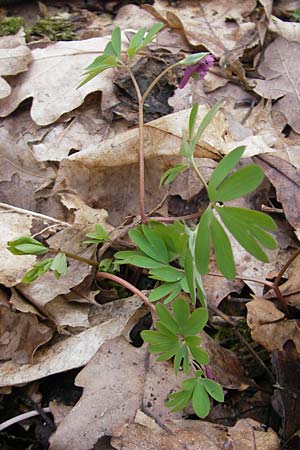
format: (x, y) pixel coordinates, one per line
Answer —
(74, 351)
(282, 79)
(15, 57)
(268, 326)
(53, 89)
(20, 335)
(287, 30)
(247, 434)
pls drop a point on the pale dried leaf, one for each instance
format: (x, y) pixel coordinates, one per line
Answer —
(53, 78)
(113, 388)
(269, 327)
(74, 351)
(287, 30)
(281, 78)
(15, 57)
(12, 267)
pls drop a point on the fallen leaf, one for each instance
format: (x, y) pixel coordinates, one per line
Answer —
(15, 58)
(107, 174)
(268, 326)
(113, 387)
(285, 398)
(12, 267)
(287, 30)
(21, 335)
(75, 351)
(53, 78)
(290, 289)
(247, 434)
(286, 179)
(281, 80)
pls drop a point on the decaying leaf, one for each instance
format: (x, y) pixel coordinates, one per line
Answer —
(281, 78)
(20, 335)
(53, 78)
(287, 30)
(269, 327)
(286, 179)
(15, 57)
(113, 388)
(247, 434)
(285, 399)
(73, 351)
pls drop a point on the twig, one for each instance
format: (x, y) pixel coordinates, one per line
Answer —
(34, 214)
(269, 284)
(243, 340)
(21, 417)
(285, 267)
(129, 286)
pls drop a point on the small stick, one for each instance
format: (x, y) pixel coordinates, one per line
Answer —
(285, 267)
(21, 417)
(34, 214)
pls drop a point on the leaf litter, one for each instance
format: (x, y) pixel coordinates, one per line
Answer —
(69, 160)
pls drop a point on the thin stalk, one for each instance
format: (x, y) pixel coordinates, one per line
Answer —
(269, 284)
(285, 267)
(21, 417)
(90, 262)
(198, 173)
(141, 146)
(126, 285)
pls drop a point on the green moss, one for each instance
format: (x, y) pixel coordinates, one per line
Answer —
(11, 25)
(55, 29)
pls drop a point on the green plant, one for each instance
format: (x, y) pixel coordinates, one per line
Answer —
(175, 255)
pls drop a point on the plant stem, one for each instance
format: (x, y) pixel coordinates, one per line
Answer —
(141, 146)
(126, 285)
(199, 174)
(285, 267)
(90, 262)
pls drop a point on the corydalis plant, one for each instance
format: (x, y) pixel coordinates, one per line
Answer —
(175, 255)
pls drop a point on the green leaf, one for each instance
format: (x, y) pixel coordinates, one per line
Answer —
(37, 270)
(170, 174)
(223, 250)
(196, 322)
(190, 276)
(243, 234)
(213, 389)
(166, 273)
(200, 400)
(136, 259)
(199, 355)
(59, 265)
(179, 400)
(192, 120)
(242, 182)
(192, 341)
(249, 217)
(166, 318)
(181, 353)
(136, 42)
(98, 236)
(181, 311)
(223, 169)
(205, 122)
(163, 290)
(193, 59)
(100, 64)
(152, 33)
(26, 246)
(116, 42)
(202, 242)
(186, 148)
(155, 248)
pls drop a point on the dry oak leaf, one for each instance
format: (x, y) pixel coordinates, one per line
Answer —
(20, 335)
(53, 78)
(268, 326)
(15, 57)
(212, 25)
(282, 81)
(247, 434)
(74, 351)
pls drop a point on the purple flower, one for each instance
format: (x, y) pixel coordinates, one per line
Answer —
(199, 70)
